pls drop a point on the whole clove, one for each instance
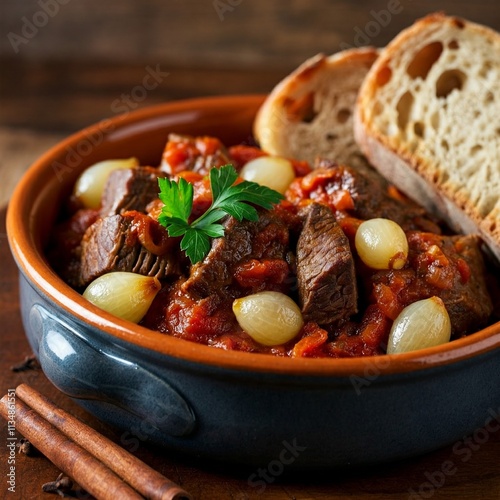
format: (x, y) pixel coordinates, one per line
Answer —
(26, 447)
(61, 486)
(101, 468)
(28, 363)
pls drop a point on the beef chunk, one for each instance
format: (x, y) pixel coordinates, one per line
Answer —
(130, 189)
(450, 267)
(362, 193)
(464, 292)
(325, 268)
(264, 241)
(198, 154)
(130, 242)
(64, 251)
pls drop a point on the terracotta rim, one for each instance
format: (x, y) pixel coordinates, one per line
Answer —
(33, 265)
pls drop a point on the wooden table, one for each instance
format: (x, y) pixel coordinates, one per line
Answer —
(472, 468)
(474, 463)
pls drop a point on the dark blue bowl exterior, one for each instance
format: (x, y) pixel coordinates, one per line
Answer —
(256, 418)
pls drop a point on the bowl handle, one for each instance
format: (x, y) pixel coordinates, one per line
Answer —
(86, 371)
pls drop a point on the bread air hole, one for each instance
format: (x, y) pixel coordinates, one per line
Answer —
(419, 129)
(435, 120)
(378, 108)
(424, 59)
(440, 177)
(301, 109)
(343, 115)
(485, 69)
(404, 107)
(453, 45)
(449, 81)
(384, 75)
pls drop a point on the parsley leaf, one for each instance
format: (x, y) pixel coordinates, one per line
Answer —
(177, 198)
(196, 244)
(227, 198)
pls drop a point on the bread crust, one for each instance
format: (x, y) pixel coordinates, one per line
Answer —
(325, 87)
(422, 177)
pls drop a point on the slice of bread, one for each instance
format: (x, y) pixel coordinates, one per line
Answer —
(428, 118)
(309, 113)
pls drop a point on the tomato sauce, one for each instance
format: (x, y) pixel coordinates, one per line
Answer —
(252, 257)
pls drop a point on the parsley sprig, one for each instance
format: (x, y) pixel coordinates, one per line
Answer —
(227, 198)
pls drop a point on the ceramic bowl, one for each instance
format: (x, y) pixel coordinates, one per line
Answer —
(232, 406)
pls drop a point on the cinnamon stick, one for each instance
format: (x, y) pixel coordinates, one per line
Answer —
(91, 474)
(136, 473)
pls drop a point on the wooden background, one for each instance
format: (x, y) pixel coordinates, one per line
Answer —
(65, 64)
(67, 72)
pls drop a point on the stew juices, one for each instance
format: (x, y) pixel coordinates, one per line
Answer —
(307, 278)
